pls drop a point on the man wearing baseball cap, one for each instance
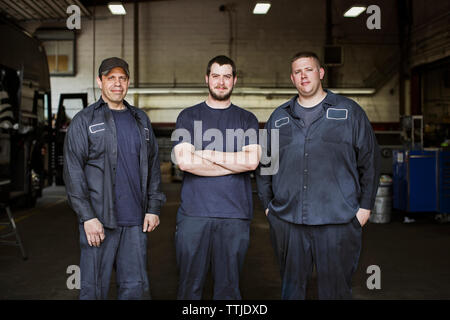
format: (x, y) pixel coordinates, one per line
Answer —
(112, 177)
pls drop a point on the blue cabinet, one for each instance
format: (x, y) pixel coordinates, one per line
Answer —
(444, 182)
(415, 181)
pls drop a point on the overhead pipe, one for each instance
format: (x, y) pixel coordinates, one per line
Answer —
(244, 91)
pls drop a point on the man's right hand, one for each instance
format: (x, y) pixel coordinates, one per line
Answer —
(267, 212)
(94, 232)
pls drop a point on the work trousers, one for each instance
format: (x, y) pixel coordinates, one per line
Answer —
(125, 250)
(334, 250)
(202, 242)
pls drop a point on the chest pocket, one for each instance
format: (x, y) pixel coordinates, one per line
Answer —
(334, 134)
(284, 130)
(336, 121)
(96, 136)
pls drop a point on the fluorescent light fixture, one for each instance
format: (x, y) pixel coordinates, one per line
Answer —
(116, 8)
(354, 11)
(261, 8)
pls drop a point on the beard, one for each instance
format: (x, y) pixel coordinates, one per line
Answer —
(223, 97)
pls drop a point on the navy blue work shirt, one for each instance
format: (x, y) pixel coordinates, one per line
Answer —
(228, 196)
(127, 189)
(324, 174)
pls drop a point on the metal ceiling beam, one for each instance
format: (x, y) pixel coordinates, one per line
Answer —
(36, 8)
(82, 7)
(7, 11)
(61, 7)
(56, 6)
(26, 8)
(54, 13)
(16, 9)
(90, 3)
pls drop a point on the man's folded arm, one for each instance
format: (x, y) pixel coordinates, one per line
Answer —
(189, 161)
(241, 161)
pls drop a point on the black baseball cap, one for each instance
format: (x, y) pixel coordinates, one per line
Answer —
(111, 63)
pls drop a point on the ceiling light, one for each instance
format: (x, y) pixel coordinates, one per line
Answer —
(261, 8)
(116, 8)
(354, 11)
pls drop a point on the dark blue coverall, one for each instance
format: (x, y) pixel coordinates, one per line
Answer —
(319, 179)
(90, 162)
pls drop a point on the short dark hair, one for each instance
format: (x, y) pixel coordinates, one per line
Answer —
(306, 54)
(221, 60)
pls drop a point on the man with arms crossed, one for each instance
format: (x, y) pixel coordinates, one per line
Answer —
(213, 221)
(325, 186)
(112, 176)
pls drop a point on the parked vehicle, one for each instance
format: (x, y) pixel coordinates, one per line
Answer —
(25, 115)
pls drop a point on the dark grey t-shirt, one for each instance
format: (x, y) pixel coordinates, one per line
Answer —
(228, 196)
(308, 115)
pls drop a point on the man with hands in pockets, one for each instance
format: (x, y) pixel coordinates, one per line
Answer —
(325, 186)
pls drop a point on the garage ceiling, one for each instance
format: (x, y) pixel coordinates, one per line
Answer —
(45, 10)
(27, 10)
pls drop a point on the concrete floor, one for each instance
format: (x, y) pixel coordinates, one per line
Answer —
(414, 259)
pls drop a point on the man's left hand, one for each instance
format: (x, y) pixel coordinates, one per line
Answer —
(151, 221)
(363, 215)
